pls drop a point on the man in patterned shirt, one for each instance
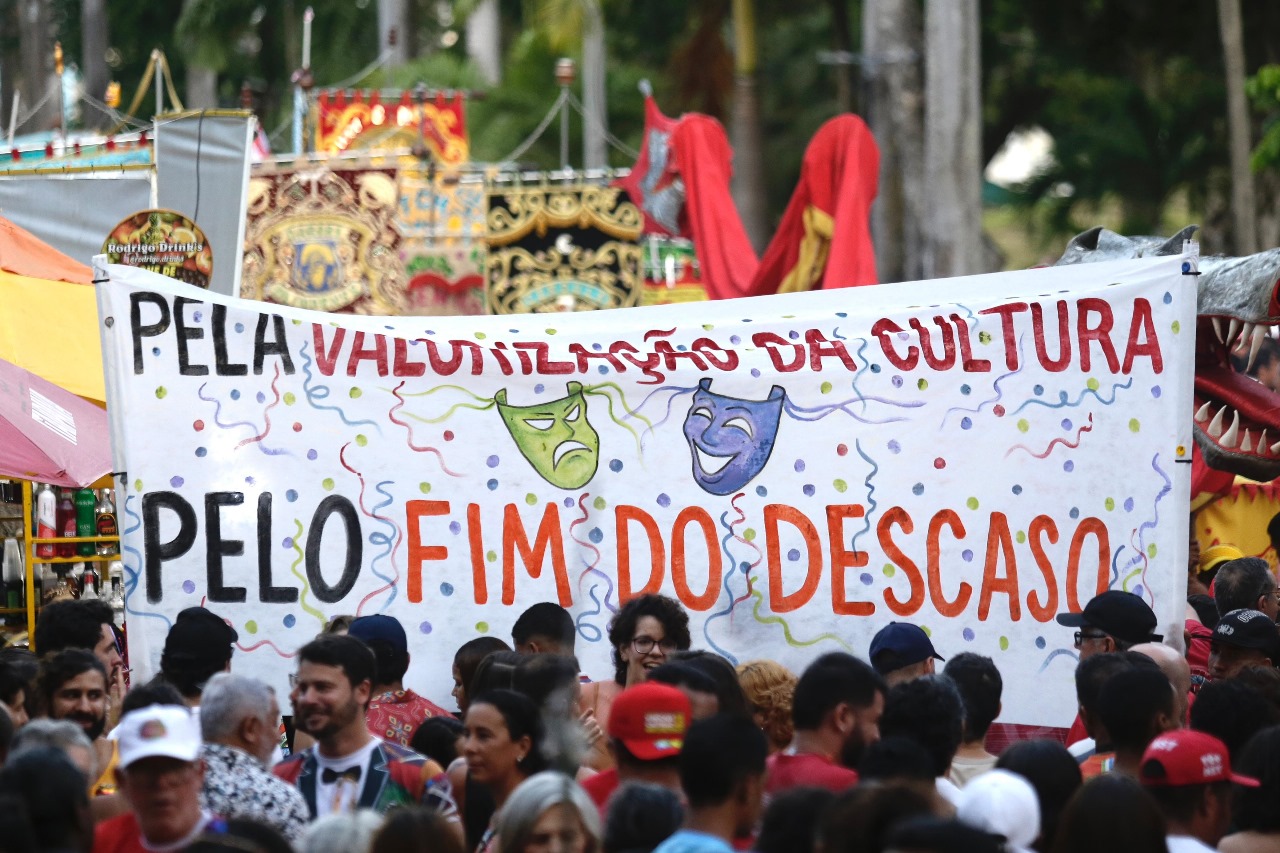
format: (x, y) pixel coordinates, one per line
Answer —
(394, 713)
(239, 719)
(348, 768)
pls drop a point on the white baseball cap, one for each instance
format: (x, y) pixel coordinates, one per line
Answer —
(1003, 803)
(168, 731)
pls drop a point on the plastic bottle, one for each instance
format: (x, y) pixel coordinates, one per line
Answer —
(66, 521)
(46, 519)
(89, 582)
(105, 518)
(12, 573)
(85, 523)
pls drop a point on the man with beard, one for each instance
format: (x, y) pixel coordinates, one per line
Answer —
(83, 624)
(73, 686)
(349, 768)
(836, 712)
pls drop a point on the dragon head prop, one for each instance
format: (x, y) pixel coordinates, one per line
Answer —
(1236, 418)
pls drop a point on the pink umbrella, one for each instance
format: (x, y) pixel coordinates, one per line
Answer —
(48, 434)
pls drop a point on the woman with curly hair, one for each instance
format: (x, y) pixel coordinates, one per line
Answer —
(643, 634)
(769, 687)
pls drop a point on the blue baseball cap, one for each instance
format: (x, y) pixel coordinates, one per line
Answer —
(380, 627)
(900, 644)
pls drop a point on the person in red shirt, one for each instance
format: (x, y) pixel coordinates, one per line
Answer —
(646, 733)
(394, 712)
(836, 712)
(160, 773)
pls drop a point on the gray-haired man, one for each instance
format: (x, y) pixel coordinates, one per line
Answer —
(240, 720)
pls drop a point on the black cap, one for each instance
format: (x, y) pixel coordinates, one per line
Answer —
(198, 636)
(1247, 629)
(1120, 614)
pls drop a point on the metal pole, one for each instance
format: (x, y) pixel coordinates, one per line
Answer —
(155, 57)
(566, 70)
(13, 114)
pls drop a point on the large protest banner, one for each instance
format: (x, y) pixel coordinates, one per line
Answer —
(973, 455)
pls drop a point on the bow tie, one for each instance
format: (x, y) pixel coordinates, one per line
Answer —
(328, 776)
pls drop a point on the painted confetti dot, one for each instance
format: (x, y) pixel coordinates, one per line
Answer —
(966, 423)
(1038, 390)
(198, 426)
(966, 555)
(251, 626)
(262, 398)
(201, 452)
(1134, 425)
(425, 488)
(161, 392)
(492, 461)
(799, 466)
(793, 555)
(971, 503)
(1168, 298)
(917, 489)
(568, 502)
(596, 535)
(289, 620)
(1155, 391)
(825, 387)
(493, 485)
(1176, 327)
(809, 490)
(1023, 425)
(897, 381)
(997, 410)
(155, 350)
(1040, 643)
(446, 589)
(984, 337)
(286, 543)
(491, 556)
(137, 485)
(761, 491)
(297, 427)
(893, 446)
(448, 435)
(1066, 423)
(312, 455)
(1020, 537)
(749, 534)
(455, 528)
(968, 634)
(664, 500)
(188, 587)
(291, 495)
(1004, 644)
(360, 439)
(354, 393)
(840, 485)
(965, 389)
(875, 368)
(599, 503)
(1068, 466)
(615, 465)
(939, 463)
(866, 579)
(889, 570)
(235, 394)
(289, 398)
(1151, 550)
(1110, 504)
(1075, 512)
(1017, 490)
(176, 482)
(842, 450)
(424, 627)
(482, 627)
(1128, 504)
(755, 372)
(1092, 384)
(531, 499)
(327, 482)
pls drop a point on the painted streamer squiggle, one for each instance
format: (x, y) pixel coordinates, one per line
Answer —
(133, 567)
(1064, 404)
(306, 587)
(313, 391)
(1049, 449)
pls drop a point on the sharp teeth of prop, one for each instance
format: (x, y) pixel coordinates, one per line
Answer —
(1233, 432)
(1246, 443)
(1259, 335)
(1202, 416)
(1217, 328)
(1262, 444)
(1215, 428)
(1233, 329)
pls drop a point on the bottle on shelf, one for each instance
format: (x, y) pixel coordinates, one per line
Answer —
(115, 570)
(46, 519)
(66, 520)
(105, 520)
(89, 582)
(85, 501)
(14, 589)
(48, 583)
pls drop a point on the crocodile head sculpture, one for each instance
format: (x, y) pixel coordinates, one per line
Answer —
(1236, 418)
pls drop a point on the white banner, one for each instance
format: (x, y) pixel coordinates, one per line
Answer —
(973, 455)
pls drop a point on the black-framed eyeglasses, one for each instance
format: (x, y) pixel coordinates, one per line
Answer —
(1081, 636)
(644, 645)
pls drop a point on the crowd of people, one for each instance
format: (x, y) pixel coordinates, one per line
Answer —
(1176, 744)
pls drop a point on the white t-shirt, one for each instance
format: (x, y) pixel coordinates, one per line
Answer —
(341, 794)
(1187, 844)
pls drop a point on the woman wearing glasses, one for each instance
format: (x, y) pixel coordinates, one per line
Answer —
(646, 631)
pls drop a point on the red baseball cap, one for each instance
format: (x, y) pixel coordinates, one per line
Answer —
(651, 719)
(1188, 757)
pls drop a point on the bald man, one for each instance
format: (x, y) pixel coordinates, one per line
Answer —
(1176, 669)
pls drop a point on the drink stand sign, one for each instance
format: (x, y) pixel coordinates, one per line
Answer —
(164, 242)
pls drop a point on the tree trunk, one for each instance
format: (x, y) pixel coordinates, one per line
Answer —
(93, 58)
(484, 41)
(892, 40)
(745, 131)
(38, 80)
(202, 83)
(953, 139)
(595, 153)
(842, 43)
(393, 31)
(1243, 210)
